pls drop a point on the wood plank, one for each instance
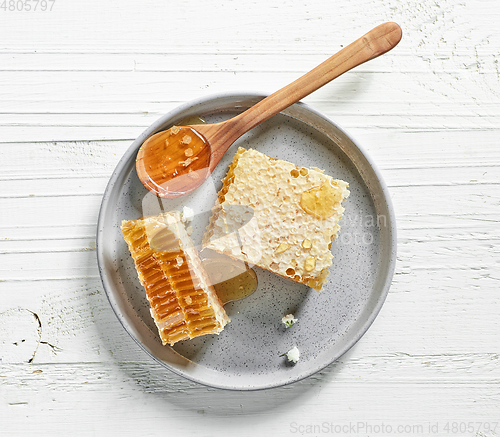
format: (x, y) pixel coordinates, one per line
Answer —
(150, 391)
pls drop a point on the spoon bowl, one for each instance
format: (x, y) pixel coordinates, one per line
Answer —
(175, 162)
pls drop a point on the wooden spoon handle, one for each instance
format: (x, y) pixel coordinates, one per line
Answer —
(376, 42)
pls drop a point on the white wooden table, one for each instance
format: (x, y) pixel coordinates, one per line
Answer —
(80, 80)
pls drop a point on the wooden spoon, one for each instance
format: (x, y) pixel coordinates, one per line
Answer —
(174, 162)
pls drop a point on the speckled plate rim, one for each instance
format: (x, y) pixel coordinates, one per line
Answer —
(176, 362)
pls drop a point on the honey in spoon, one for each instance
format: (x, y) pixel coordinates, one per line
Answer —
(174, 160)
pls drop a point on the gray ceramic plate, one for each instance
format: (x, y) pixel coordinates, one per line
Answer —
(246, 355)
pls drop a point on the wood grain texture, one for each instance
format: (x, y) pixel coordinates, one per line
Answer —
(79, 83)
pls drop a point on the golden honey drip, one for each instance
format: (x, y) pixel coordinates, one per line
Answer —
(191, 120)
(321, 202)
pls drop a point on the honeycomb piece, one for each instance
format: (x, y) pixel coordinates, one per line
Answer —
(182, 301)
(292, 217)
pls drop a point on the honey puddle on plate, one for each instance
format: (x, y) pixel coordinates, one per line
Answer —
(232, 279)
